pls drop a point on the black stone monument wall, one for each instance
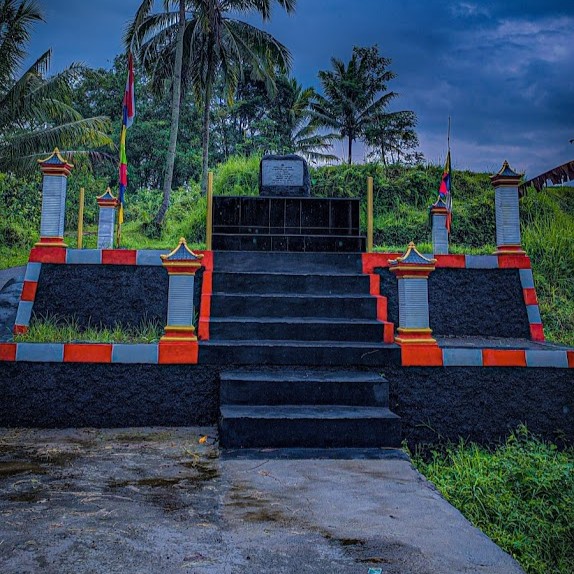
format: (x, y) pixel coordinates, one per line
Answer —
(435, 404)
(469, 302)
(287, 224)
(106, 295)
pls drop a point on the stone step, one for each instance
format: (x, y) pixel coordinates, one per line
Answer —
(290, 283)
(323, 426)
(285, 305)
(304, 353)
(272, 387)
(295, 328)
(252, 261)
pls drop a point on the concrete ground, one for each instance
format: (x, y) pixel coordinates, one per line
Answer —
(16, 273)
(157, 501)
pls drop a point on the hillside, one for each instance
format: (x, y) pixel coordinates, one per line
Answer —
(402, 197)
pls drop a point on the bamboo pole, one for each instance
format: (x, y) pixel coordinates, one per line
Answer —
(209, 226)
(369, 215)
(81, 219)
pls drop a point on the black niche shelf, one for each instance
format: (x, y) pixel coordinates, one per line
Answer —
(287, 224)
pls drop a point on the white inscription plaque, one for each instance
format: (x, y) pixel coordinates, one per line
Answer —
(282, 173)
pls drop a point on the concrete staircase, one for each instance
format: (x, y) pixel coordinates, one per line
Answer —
(294, 309)
(306, 409)
(312, 312)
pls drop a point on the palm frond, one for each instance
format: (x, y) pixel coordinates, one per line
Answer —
(16, 20)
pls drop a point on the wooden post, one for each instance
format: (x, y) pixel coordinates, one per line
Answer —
(81, 219)
(209, 225)
(369, 215)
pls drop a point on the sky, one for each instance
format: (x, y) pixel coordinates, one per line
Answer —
(502, 70)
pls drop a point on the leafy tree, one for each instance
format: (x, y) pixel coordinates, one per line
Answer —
(101, 92)
(190, 47)
(292, 115)
(36, 114)
(393, 137)
(259, 122)
(354, 94)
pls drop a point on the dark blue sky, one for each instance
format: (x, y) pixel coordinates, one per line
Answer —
(504, 71)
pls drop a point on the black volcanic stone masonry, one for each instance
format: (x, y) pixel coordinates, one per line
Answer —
(63, 395)
(469, 302)
(482, 405)
(106, 295)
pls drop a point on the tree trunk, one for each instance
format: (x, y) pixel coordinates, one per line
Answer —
(350, 160)
(205, 136)
(175, 108)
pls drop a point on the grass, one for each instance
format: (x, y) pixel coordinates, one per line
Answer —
(521, 495)
(53, 329)
(402, 196)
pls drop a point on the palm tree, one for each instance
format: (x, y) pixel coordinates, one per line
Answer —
(354, 94)
(35, 111)
(195, 44)
(292, 114)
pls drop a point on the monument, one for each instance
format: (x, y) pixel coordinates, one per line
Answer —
(285, 217)
(284, 176)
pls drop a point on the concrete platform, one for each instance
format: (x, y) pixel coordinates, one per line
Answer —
(155, 500)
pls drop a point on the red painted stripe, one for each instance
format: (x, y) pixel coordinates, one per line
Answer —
(503, 358)
(451, 261)
(207, 260)
(20, 329)
(571, 359)
(48, 255)
(513, 262)
(373, 260)
(119, 256)
(205, 306)
(382, 308)
(178, 353)
(7, 351)
(530, 297)
(29, 291)
(87, 353)
(207, 283)
(388, 332)
(375, 284)
(537, 332)
(421, 356)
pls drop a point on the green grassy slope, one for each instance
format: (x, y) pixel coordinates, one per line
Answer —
(402, 197)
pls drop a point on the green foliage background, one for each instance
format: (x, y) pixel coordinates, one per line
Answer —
(402, 197)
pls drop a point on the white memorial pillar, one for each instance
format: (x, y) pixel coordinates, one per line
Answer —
(56, 171)
(508, 238)
(107, 204)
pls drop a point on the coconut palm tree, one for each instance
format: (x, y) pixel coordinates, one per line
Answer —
(292, 114)
(35, 110)
(354, 94)
(193, 44)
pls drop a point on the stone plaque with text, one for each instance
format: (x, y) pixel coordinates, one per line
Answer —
(284, 176)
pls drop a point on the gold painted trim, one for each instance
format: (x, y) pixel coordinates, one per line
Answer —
(181, 329)
(56, 153)
(412, 247)
(429, 341)
(411, 330)
(182, 241)
(40, 244)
